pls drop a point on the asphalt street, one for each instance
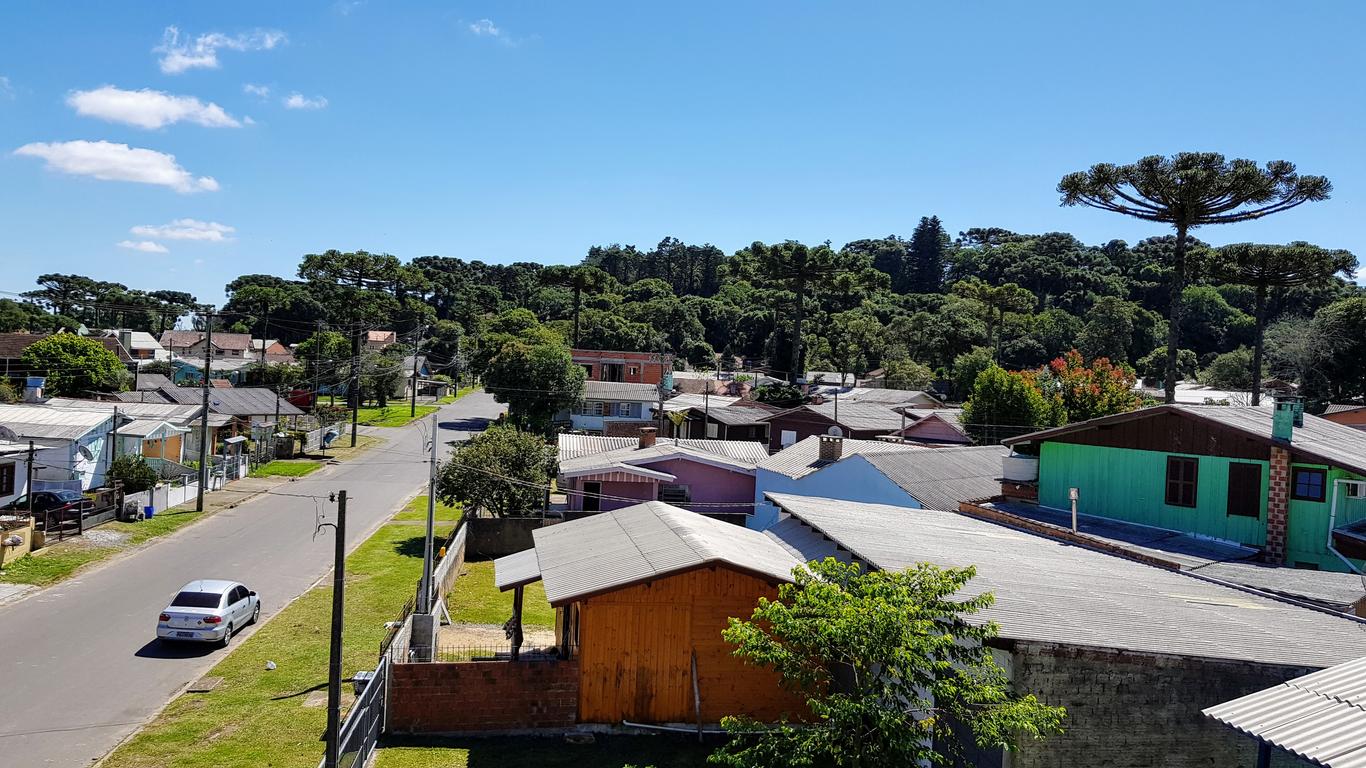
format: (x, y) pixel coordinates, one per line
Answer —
(80, 668)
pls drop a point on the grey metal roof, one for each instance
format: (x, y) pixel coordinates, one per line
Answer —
(804, 542)
(1054, 592)
(942, 477)
(685, 401)
(1320, 717)
(618, 391)
(860, 416)
(238, 401)
(634, 544)
(149, 427)
(150, 381)
(516, 569)
(172, 412)
(803, 457)
(574, 446)
(42, 421)
(737, 416)
(662, 450)
(1319, 438)
(1342, 408)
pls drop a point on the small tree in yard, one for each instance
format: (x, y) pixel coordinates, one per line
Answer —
(893, 672)
(133, 471)
(1089, 391)
(501, 471)
(74, 365)
(1007, 403)
(536, 381)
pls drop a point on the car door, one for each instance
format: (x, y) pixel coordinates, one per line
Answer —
(237, 605)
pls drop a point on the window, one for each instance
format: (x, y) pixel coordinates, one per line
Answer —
(592, 501)
(1245, 489)
(197, 600)
(674, 494)
(6, 479)
(624, 410)
(635, 371)
(788, 437)
(1182, 475)
(1309, 484)
(238, 595)
(595, 409)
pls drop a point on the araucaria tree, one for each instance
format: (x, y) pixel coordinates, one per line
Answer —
(1189, 190)
(1268, 267)
(893, 670)
(579, 279)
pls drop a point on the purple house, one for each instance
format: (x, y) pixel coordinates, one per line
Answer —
(598, 474)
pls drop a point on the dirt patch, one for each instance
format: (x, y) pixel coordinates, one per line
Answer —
(100, 537)
(491, 636)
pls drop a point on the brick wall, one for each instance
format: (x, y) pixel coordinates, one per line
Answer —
(1278, 505)
(1138, 710)
(483, 696)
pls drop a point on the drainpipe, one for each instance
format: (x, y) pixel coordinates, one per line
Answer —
(1332, 522)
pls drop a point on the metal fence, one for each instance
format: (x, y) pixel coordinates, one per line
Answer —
(460, 652)
(364, 722)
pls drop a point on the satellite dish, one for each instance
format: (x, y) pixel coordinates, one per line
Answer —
(85, 453)
(835, 432)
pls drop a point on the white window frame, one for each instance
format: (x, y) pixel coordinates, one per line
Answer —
(787, 437)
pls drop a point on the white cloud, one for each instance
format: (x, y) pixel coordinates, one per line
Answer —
(186, 229)
(259, 91)
(148, 108)
(179, 55)
(297, 100)
(146, 246)
(117, 162)
(485, 28)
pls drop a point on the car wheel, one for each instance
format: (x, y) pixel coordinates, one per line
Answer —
(256, 612)
(227, 636)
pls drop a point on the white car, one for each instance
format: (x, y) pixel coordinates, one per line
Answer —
(209, 610)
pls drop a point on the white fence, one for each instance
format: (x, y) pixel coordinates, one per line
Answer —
(164, 497)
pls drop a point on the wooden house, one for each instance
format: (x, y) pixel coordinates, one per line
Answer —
(642, 595)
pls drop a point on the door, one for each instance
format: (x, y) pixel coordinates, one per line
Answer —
(591, 502)
(239, 607)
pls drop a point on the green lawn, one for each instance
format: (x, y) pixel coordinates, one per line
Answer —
(474, 600)
(59, 560)
(393, 415)
(531, 752)
(257, 717)
(417, 510)
(448, 399)
(286, 468)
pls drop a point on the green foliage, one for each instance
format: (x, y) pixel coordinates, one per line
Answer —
(1088, 391)
(780, 395)
(1153, 366)
(535, 381)
(9, 393)
(1005, 404)
(501, 471)
(1231, 370)
(967, 367)
(74, 365)
(892, 667)
(1342, 325)
(908, 374)
(994, 302)
(133, 471)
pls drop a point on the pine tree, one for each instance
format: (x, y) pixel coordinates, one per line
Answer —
(926, 260)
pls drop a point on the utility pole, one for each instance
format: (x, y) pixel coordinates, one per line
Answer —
(28, 480)
(114, 437)
(412, 411)
(334, 656)
(424, 597)
(355, 381)
(317, 368)
(204, 417)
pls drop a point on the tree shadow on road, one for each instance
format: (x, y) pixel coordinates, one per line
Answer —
(472, 424)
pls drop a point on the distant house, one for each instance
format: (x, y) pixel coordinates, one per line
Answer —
(141, 346)
(641, 596)
(612, 408)
(910, 398)
(12, 346)
(247, 405)
(1290, 484)
(1351, 415)
(877, 472)
(936, 426)
(152, 430)
(376, 341)
(273, 351)
(708, 476)
(718, 418)
(1167, 644)
(77, 452)
(626, 367)
(190, 344)
(863, 421)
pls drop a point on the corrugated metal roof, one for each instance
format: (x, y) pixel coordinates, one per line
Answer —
(1341, 408)
(662, 450)
(635, 544)
(1050, 591)
(516, 569)
(943, 477)
(803, 457)
(574, 446)
(860, 416)
(1320, 717)
(686, 401)
(172, 412)
(53, 423)
(145, 428)
(619, 391)
(239, 401)
(1330, 442)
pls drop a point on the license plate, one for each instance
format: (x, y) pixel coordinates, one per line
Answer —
(184, 634)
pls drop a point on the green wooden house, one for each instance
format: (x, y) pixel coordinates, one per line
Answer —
(1291, 484)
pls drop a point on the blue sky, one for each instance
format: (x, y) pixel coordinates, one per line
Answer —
(531, 131)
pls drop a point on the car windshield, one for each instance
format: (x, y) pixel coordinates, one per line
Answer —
(67, 496)
(196, 600)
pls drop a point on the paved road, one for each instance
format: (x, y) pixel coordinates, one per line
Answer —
(79, 666)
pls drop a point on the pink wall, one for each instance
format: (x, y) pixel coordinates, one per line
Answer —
(933, 429)
(706, 483)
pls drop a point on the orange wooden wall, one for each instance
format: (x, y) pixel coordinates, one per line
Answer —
(636, 646)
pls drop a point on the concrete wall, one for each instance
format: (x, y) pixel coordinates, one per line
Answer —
(1135, 711)
(852, 479)
(490, 537)
(483, 696)
(25, 533)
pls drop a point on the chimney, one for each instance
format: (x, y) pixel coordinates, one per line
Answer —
(33, 389)
(831, 447)
(1289, 414)
(126, 341)
(647, 436)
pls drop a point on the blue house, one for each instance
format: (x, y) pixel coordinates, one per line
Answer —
(612, 402)
(877, 472)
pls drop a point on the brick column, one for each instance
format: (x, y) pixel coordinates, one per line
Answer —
(1277, 505)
